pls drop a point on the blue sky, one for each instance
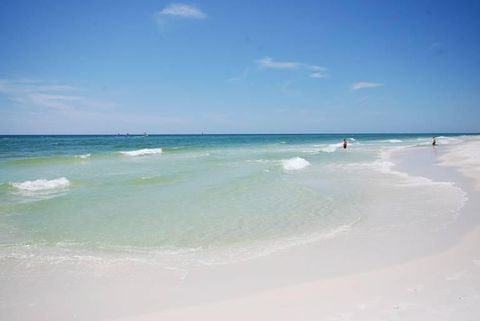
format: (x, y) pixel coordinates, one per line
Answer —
(116, 66)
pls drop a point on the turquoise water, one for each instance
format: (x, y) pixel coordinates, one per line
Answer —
(185, 193)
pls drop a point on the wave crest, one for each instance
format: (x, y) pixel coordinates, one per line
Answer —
(142, 152)
(42, 184)
(295, 163)
(330, 148)
(84, 156)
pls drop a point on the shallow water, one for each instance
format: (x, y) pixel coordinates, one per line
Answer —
(208, 199)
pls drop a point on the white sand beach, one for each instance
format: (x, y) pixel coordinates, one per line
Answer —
(444, 286)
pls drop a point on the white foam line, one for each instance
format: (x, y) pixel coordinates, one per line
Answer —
(142, 152)
(42, 184)
(83, 156)
(330, 148)
(245, 253)
(295, 163)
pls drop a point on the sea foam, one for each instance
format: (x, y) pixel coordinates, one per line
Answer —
(84, 156)
(42, 184)
(295, 163)
(330, 148)
(443, 140)
(142, 152)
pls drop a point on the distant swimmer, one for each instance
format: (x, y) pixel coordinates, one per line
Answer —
(344, 144)
(434, 141)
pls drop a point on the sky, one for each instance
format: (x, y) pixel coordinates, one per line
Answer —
(124, 66)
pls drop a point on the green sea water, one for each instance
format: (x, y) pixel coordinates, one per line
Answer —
(188, 193)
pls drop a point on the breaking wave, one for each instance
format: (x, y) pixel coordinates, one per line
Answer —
(142, 152)
(42, 184)
(330, 148)
(295, 163)
(84, 156)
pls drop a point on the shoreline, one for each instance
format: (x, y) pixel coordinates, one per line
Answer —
(446, 281)
(137, 290)
(386, 291)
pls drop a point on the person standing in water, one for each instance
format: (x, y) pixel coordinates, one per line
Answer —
(344, 143)
(434, 141)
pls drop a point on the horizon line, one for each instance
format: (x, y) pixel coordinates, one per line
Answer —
(232, 134)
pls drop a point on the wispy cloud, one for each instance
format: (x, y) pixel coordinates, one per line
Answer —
(39, 107)
(265, 63)
(8, 86)
(57, 97)
(317, 71)
(364, 85)
(59, 102)
(270, 63)
(181, 10)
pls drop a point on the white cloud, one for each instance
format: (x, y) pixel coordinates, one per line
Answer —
(18, 86)
(364, 85)
(60, 102)
(59, 97)
(270, 63)
(45, 108)
(181, 10)
(317, 75)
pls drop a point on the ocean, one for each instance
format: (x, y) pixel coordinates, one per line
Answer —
(207, 199)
